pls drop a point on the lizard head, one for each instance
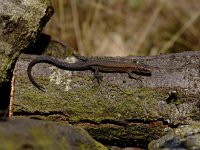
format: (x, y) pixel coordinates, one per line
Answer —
(143, 70)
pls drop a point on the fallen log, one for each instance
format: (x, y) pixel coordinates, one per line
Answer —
(119, 109)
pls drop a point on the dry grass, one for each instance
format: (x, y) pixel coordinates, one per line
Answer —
(126, 27)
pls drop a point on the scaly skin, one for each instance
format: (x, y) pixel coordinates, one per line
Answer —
(88, 64)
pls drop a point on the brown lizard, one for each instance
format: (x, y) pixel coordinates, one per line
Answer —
(96, 66)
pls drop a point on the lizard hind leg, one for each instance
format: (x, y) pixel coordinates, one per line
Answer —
(96, 75)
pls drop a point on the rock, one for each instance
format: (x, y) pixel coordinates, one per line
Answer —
(183, 138)
(23, 133)
(21, 22)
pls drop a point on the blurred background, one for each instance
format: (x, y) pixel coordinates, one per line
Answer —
(126, 27)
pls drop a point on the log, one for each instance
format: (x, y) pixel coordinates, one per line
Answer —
(119, 109)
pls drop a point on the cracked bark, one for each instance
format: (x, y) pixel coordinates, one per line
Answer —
(120, 109)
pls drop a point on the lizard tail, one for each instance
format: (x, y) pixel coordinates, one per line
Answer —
(31, 64)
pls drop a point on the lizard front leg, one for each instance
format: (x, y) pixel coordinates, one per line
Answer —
(134, 76)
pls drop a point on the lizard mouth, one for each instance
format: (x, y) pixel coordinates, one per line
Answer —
(147, 73)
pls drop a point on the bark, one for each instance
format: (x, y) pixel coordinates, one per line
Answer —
(118, 110)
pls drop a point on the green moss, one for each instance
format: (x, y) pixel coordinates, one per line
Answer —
(89, 101)
(136, 134)
(41, 139)
(4, 68)
(7, 144)
(26, 133)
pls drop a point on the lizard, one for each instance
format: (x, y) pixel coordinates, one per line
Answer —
(96, 65)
